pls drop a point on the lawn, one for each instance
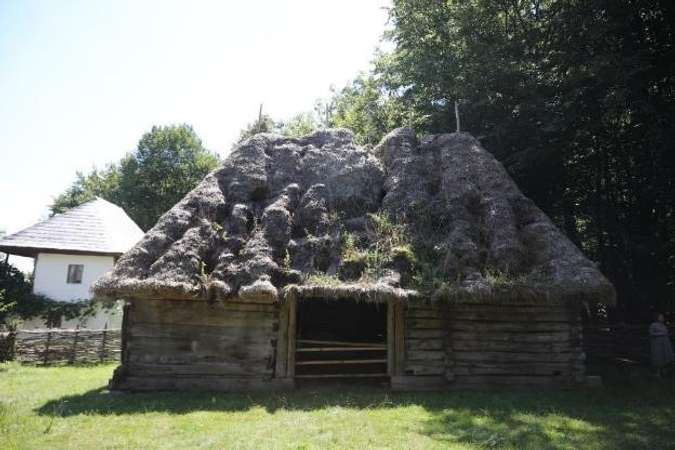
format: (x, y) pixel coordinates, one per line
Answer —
(68, 407)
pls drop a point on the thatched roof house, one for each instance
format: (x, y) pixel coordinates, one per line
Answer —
(418, 262)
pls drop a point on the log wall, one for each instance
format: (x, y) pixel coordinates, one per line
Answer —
(477, 345)
(197, 345)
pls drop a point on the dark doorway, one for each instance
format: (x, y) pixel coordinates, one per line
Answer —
(341, 339)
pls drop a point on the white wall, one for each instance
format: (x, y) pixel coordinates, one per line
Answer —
(50, 275)
(51, 272)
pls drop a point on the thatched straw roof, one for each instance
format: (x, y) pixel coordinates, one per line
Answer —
(439, 219)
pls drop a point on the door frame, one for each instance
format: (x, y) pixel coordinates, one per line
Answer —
(286, 339)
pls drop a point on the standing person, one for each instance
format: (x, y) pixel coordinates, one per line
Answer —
(662, 350)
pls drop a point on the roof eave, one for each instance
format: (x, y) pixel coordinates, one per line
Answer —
(32, 252)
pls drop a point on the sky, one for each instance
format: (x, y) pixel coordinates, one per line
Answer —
(81, 81)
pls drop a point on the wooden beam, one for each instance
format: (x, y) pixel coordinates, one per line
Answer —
(391, 348)
(292, 328)
(359, 344)
(399, 338)
(342, 349)
(344, 375)
(281, 367)
(340, 361)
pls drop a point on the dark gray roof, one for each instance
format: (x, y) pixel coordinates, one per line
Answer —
(95, 227)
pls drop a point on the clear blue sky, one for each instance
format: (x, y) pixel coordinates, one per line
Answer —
(80, 81)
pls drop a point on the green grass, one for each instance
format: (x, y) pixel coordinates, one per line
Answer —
(68, 407)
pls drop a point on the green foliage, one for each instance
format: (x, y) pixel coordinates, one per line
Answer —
(299, 125)
(368, 109)
(168, 162)
(263, 124)
(384, 244)
(17, 301)
(322, 279)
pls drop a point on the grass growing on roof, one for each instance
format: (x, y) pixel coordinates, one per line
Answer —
(69, 408)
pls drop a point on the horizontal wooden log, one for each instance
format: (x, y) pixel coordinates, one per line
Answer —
(425, 334)
(475, 381)
(492, 357)
(425, 355)
(424, 344)
(339, 362)
(192, 332)
(457, 325)
(512, 336)
(418, 383)
(436, 368)
(506, 346)
(510, 316)
(200, 314)
(231, 368)
(509, 309)
(513, 369)
(424, 313)
(421, 324)
(207, 349)
(202, 383)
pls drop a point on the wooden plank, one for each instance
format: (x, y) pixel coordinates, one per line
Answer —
(426, 355)
(424, 334)
(509, 357)
(424, 313)
(356, 344)
(399, 338)
(200, 314)
(209, 348)
(424, 369)
(421, 324)
(391, 345)
(339, 362)
(340, 349)
(498, 309)
(343, 375)
(281, 356)
(292, 328)
(190, 332)
(509, 380)
(201, 383)
(560, 368)
(418, 383)
(505, 346)
(511, 316)
(249, 367)
(512, 336)
(424, 344)
(509, 326)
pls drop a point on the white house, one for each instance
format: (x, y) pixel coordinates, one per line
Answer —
(71, 251)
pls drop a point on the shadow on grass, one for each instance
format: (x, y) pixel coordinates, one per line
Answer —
(637, 416)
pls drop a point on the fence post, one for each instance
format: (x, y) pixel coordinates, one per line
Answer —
(46, 354)
(73, 349)
(102, 352)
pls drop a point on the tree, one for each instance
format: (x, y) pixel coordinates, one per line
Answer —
(168, 162)
(298, 125)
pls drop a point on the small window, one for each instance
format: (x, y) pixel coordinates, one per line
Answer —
(75, 273)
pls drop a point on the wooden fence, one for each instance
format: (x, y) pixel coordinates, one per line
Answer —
(67, 346)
